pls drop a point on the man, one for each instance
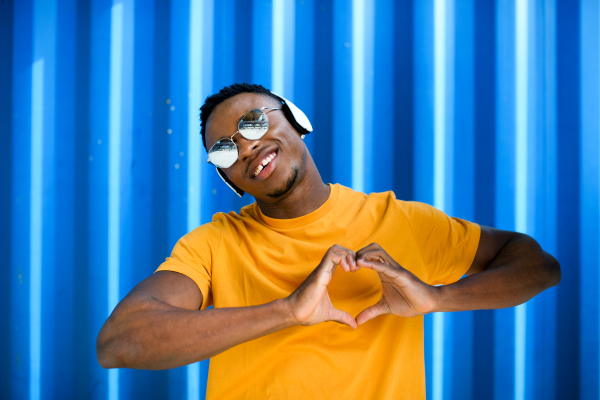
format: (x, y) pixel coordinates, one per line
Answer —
(271, 273)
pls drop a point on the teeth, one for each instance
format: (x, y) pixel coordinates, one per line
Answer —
(262, 165)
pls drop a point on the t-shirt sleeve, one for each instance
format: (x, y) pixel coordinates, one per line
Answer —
(192, 256)
(447, 245)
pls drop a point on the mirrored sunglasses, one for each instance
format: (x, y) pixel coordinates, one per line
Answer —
(252, 126)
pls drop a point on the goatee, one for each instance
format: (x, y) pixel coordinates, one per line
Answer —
(287, 186)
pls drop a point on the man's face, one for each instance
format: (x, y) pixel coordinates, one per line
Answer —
(281, 144)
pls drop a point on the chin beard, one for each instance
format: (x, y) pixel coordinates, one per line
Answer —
(287, 186)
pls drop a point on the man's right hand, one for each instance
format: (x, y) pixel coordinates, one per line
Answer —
(310, 303)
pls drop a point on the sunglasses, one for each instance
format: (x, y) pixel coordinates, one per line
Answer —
(252, 126)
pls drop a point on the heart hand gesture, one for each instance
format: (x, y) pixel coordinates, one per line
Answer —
(403, 293)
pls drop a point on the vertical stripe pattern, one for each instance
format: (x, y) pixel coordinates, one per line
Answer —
(486, 110)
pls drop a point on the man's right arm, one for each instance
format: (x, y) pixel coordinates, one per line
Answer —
(158, 325)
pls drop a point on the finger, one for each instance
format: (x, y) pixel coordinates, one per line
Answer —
(386, 269)
(351, 259)
(371, 247)
(374, 311)
(376, 255)
(344, 263)
(342, 317)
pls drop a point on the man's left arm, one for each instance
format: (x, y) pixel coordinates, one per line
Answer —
(509, 268)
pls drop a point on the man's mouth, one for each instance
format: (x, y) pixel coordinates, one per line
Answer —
(264, 163)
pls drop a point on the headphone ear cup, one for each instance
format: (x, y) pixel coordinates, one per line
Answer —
(236, 189)
(295, 116)
(292, 120)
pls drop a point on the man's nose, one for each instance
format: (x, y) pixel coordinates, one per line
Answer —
(246, 147)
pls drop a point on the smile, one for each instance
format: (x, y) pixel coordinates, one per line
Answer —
(264, 163)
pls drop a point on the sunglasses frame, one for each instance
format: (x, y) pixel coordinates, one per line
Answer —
(240, 132)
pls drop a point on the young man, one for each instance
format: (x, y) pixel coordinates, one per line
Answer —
(271, 274)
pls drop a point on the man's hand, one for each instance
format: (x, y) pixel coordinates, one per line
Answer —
(403, 293)
(310, 302)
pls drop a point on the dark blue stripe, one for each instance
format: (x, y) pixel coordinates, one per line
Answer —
(590, 218)
(323, 90)
(423, 101)
(65, 99)
(83, 342)
(568, 229)
(243, 28)
(6, 195)
(262, 42)
(387, 125)
(404, 99)
(98, 188)
(342, 93)
(304, 66)
(20, 194)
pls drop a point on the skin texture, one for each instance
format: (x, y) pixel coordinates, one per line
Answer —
(158, 325)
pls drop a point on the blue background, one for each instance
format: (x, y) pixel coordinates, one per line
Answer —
(487, 110)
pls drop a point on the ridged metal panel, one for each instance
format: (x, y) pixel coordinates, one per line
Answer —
(487, 110)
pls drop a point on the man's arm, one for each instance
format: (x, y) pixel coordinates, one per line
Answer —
(158, 325)
(509, 268)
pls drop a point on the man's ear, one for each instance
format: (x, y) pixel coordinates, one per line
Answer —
(236, 189)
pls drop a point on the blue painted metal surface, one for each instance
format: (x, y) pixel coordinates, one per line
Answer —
(488, 110)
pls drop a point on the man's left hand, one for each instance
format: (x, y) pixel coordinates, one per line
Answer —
(403, 294)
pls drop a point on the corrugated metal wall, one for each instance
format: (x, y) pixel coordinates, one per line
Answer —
(489, 111)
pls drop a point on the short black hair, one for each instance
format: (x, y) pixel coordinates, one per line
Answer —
(227, 92)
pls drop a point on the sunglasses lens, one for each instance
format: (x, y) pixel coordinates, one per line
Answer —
(254, 125)
(223, 154)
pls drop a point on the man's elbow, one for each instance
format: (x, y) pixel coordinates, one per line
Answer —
(107, 349)
(552, 269)
(556, 275)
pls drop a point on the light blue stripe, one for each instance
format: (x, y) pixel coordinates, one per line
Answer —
(195, 70)
(520, 343)
(35, 230)
(114, 166)
(439, 115)
(439, 102)
(438, 356)
(521, 125)
(521, 110)
(278, 49)
(358, 94)
(193, 381)
(289, 60)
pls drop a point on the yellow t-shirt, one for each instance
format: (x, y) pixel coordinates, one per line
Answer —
(251, 259)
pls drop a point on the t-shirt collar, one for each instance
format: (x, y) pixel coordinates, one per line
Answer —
(303, 220)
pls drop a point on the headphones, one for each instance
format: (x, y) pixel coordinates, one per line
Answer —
(295, 117)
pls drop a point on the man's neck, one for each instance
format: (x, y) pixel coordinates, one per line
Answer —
(307, 195)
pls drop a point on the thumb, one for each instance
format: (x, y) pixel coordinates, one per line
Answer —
(342, 317)
(381, 308)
